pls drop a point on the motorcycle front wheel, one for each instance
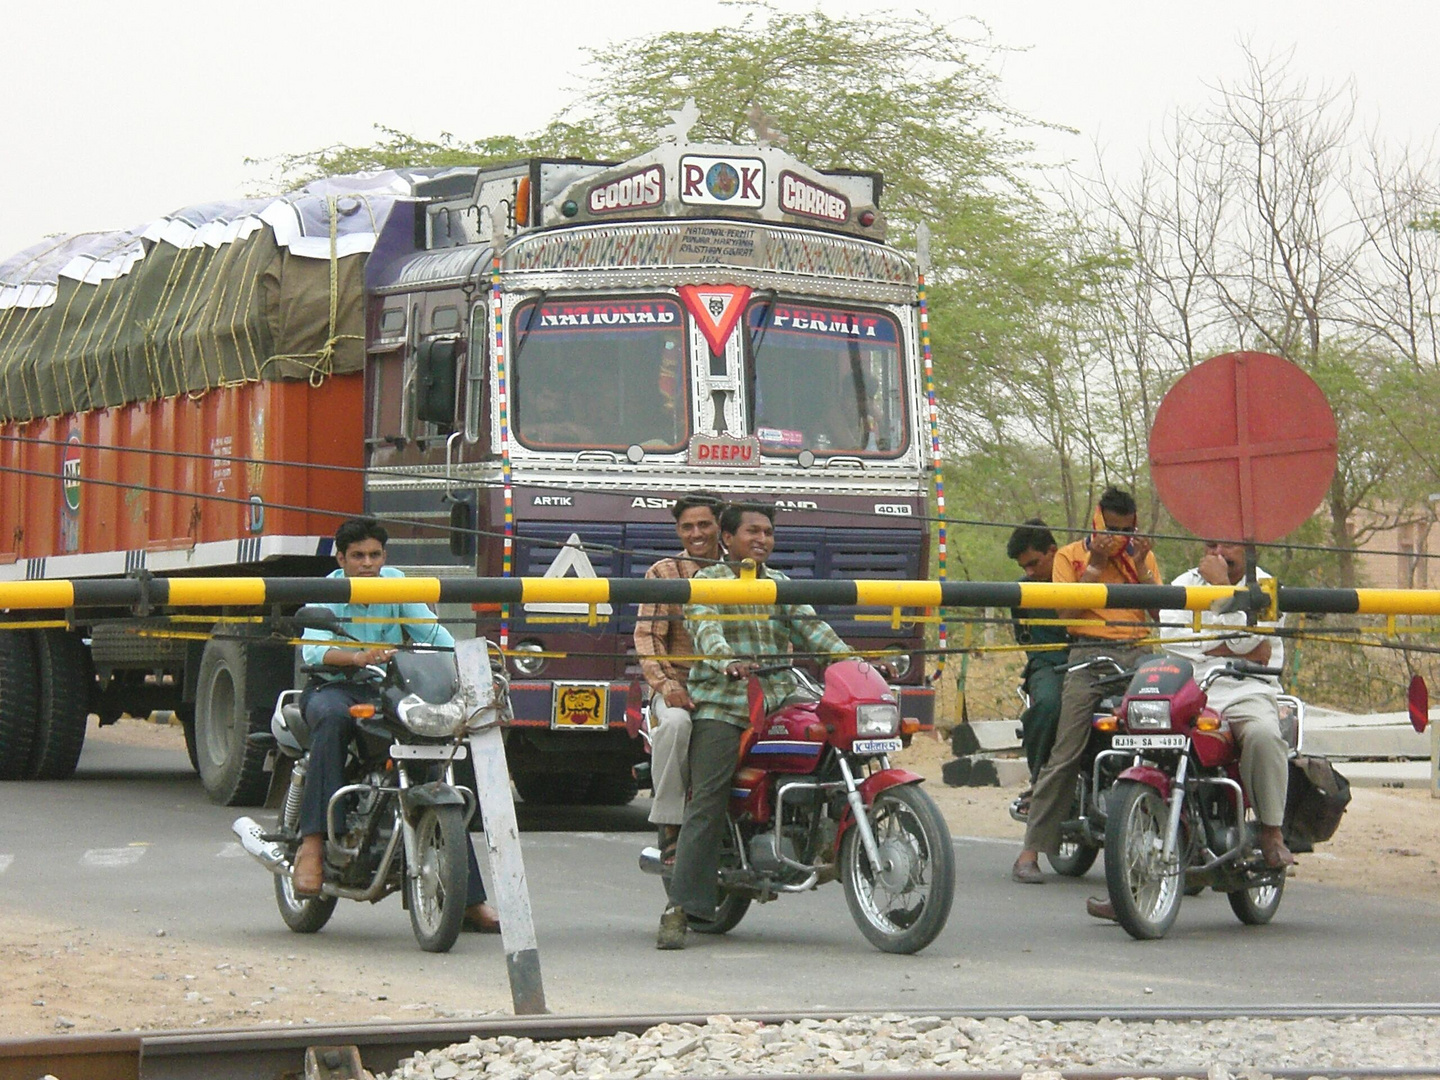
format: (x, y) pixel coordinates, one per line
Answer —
(1143, 888)
(435, 890)
(302, 914)
(900, 906)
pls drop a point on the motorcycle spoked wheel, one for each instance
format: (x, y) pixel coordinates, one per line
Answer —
(1075, 856)
(436, 891)
(302, 914)
(729, 909)
(1256, 905)
(902, 906)
(1145, 892)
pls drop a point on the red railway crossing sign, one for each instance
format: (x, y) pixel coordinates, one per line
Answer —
(1243, 447)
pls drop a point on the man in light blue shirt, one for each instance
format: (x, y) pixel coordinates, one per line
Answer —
(360, 551)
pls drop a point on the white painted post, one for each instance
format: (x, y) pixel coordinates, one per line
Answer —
(502, 835)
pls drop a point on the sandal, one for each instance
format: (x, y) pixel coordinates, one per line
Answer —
(669, 842)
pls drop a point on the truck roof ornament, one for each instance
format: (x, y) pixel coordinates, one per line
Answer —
(766, 133)
(681, 121)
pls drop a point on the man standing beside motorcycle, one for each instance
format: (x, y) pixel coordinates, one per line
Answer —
(661, 637)
(1250, 705)
(1111, 555)
(1033, 548)
(360, 551)
(730, 637)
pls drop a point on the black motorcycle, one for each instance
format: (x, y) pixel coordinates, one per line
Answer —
(399, 823)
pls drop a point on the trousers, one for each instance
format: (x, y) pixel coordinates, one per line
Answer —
(1264, 756)
(1043, 685)
(1054, 793)
(669, 761)
(714, 750)
(327, 712)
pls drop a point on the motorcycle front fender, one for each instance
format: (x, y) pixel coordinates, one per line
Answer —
(870, 787)
(1158, 779)
(435, 793)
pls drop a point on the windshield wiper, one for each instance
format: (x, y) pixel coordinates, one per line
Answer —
(756, 341)
(530, 325)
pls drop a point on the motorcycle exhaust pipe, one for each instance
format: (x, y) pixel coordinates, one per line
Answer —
(650, 861)
(267, 853)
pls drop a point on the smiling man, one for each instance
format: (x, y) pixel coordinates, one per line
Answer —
(731, 638)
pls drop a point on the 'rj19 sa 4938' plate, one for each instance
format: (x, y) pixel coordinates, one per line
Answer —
(1149, 742)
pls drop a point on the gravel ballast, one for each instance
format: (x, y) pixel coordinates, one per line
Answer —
(1214, 1049)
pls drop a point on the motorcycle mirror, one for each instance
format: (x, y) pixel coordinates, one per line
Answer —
(1418, 701)
(317, 617)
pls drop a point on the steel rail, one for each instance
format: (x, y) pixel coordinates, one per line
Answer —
(270, 1052)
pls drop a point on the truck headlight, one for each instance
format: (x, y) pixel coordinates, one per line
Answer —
(1149, 715)
(877, 720)
(430, 719)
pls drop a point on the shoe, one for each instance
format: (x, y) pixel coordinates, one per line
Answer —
(308, 873)
(673, 928)
(1273, 849)
(481, 918)
(1100, 909)
(1027, 872)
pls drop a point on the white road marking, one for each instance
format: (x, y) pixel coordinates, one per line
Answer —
(231, 850)
(983, 840)
(115, 856)
(5, 861)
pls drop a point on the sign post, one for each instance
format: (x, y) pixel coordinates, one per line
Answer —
(502, 834)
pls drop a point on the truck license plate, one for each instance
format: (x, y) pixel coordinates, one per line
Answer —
(1149, 742)
(875, 746)
(579, 706)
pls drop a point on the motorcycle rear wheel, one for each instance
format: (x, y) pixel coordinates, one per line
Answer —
(1146, 892)
(302, 914)
(1256, 906)
(728, 913)
(1074, 859)
(903, 906)
(436, 891)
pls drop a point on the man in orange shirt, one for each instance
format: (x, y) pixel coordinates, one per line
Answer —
(1110, 555)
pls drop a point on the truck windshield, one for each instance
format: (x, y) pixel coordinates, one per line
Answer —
(826, 379)
(600, 374)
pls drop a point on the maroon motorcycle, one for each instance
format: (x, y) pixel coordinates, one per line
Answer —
(814, 798)
(1177, 817)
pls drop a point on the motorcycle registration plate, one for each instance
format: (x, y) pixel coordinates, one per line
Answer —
(579, 706)
(1148, 742)
(875, 746)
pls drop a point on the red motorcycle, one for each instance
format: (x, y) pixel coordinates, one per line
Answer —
(814, 798)
(1177, 818)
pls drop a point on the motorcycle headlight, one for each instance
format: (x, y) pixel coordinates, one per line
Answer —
(430, 719)
(877, 720)
(1148, 715)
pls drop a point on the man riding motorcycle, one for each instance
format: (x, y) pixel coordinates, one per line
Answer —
(1249, 706)
(718, 687)
(360, 551)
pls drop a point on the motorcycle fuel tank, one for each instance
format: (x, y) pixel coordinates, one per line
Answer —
(784, 743)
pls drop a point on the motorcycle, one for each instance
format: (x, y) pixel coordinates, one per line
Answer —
(1083, 832)
(1177, 817)
(814, 799)
(403, 816)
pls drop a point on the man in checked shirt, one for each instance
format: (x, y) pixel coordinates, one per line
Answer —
(719, 687)
(660, 640)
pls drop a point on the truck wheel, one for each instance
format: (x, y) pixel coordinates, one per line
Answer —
(66, 679)
(232, 771)
(19, 692)
(613, 789)
(186, 715)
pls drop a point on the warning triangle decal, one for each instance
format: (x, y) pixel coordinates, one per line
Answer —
(716, 309)
(570, 562)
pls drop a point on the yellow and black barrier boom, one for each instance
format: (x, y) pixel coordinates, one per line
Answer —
(152, 592)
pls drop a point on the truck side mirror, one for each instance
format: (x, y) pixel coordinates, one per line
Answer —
(435, 381)
(462, 528)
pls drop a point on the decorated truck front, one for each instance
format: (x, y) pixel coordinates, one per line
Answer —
(702, 317)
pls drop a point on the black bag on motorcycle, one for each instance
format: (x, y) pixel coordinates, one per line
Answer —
(1315, 802)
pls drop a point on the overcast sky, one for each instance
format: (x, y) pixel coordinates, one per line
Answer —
(116, 113)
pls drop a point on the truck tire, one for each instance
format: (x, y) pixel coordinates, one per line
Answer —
(232, 771)
(19, 691)
(612, 789)
(66, 679)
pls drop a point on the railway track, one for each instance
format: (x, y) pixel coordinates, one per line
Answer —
(272, 1053)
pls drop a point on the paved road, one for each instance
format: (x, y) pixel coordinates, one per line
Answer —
(132, 845)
